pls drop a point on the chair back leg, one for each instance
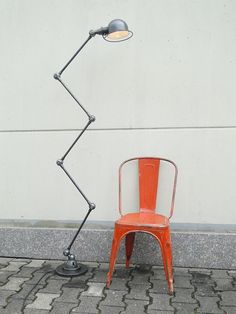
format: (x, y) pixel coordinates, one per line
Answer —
(129, 244)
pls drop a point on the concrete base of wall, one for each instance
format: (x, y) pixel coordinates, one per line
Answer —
(190, 248)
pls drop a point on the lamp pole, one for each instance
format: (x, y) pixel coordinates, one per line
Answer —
(117, 30)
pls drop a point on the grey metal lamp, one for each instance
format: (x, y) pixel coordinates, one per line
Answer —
(117, 30)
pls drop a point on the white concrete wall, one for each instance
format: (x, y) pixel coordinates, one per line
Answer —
(169, 91)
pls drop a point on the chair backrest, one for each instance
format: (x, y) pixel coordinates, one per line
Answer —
(148, 168)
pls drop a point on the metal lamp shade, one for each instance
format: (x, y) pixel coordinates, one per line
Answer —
(117, 31)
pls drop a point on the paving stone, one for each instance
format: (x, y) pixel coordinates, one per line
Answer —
(24, 292)
(87, 305)
(160, 302)
(62, 308)
(14, 284)
(224, 284)
(111, 309)
(26, 272)
(159, 286)
(76, 284)
(158, 273)
(183, 296)
(219, 273)
(14, 307)
(228, 298)
(95, 290)
(5, 260)
(118, 284)
(43, 301)
(4, 295)
(14, 266)
(35, 311)
(122, 272)
(135, 306)
(99, 276)
(159, 312)
(138, 291)
(105, 267)
(182, 282)
(39, 278)
(229, 310)
(200, 271)
(69, 295)
(201, 278)
(36, 263)
(232, 273)
(185, 308)
(182, 271)
(53, 286)
(4, 275)
(114, 298)
(209, 305)
(204, 291)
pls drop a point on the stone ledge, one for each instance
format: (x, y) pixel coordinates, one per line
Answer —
(190, 249)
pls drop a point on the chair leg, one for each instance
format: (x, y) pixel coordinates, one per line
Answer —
(129, 244)
(114, 250)
(166, 248)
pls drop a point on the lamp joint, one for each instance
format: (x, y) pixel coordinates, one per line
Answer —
(57, 76)
(92, 206)
(92, 118)
(59, 162)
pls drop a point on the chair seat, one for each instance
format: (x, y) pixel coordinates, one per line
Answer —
(144, 219)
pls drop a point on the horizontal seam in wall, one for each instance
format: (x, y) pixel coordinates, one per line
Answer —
(121, 129)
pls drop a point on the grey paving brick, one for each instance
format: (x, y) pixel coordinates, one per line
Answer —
(158, 273)
(201, 278)
(69, 295)
(204, 291)
(200, 271)
(159, 286)
(224, 284)
(14, 284)
(232, 273)
(14, 266)
(182, 271)
(24, 292)
(95, 289)
(4, 275)
(38, 278)
(87, 305)
(14, 307)
(219, 273)
(228, 298)
(76, 284)
(4, 295)
(35, 311)
(62, 308)
(182, 282)
(135, 306)
(111, 309)
(114, 298)
(118, 284)
(53, 286)
(4, 261)
(36, 263)
(185, 308)
(122, 272)
(99, 276)
(105, 267)
(43, 301)
(26, 272)
(183, 296)
(25, 260)
(138, 291)
(209, 305)
(229, 310)
(160, 302)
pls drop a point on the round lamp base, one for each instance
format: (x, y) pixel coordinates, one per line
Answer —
(68, 270)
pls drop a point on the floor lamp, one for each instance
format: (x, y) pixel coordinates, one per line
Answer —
(117, 30)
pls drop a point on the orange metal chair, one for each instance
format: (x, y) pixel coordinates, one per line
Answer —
(146, 220)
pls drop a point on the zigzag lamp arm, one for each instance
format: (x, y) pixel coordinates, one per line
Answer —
(71, 267)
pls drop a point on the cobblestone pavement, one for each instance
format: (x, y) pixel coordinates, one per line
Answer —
(31, 286)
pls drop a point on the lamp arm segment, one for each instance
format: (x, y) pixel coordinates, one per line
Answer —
(71, 263)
